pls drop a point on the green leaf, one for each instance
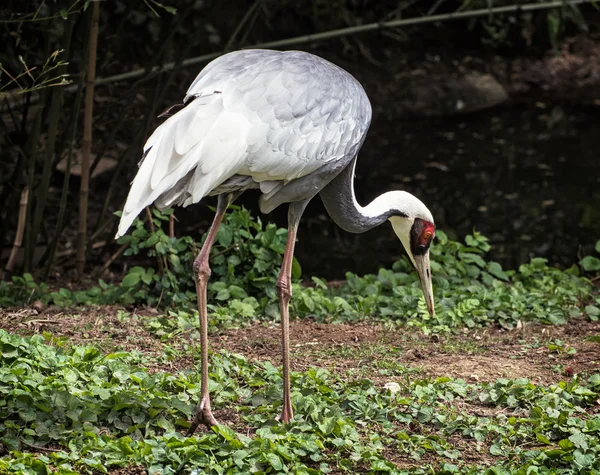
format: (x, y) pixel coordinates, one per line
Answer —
(542, 438)
(496, 450)
(566, 444)
(595, 379)
(225, 235)
(131, 279)
(583, 460)
(152, 240)
(593, 312)
(274, 460)
(296, 269)
(224, 431)
(579, 440)
(496, 270)
(472, 258)
(590, 264)
(320, 283)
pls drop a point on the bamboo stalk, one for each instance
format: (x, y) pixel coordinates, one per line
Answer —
(32, 153)
(12, 259)
(87, 140)
(53, 121)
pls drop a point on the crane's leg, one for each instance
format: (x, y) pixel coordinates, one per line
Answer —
(204, 413)
(284, 286)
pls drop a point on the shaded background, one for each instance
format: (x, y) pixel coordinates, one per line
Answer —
(518, 164)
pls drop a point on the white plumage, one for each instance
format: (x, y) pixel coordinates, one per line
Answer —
(267, 115)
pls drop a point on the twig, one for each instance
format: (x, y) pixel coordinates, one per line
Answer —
(172, 225)
(37, 447)
(70, 252)
(241, 24)
(10, 265)
(87, 140)
(111, 259)
(151, 222)
(39, 320)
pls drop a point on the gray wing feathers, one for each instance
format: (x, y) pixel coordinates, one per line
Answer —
(269, 115)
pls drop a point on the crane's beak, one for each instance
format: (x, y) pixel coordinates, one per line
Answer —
(424, 271)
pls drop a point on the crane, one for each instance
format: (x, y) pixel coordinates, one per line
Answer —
(289, 124)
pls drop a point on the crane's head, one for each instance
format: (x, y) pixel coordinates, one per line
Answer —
(413, 224)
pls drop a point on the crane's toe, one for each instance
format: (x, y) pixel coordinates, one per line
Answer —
(287, 413)
(203, 416)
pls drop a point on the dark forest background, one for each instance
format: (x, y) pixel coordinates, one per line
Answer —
(491, 120)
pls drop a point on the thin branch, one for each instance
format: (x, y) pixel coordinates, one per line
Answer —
(150, 220)
(31, 17)
(152, 231)
(241, 24)
(111, 259)
(354, 30)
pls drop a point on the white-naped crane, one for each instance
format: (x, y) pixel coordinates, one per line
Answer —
(290, 124)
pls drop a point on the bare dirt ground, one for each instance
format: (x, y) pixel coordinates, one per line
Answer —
(544, 354)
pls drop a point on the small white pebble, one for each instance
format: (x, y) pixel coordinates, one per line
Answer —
(392, 387)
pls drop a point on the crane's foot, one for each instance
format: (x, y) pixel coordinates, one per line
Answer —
(287, 414)
(203, 416)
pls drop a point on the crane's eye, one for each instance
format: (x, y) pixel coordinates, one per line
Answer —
(421, 235)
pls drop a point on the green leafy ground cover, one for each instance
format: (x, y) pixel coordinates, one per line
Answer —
(125, 401)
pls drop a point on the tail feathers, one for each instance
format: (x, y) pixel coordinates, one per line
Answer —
(177, 195)
(186, 157)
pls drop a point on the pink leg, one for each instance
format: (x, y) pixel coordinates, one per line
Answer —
(204, 413)
(284, 285)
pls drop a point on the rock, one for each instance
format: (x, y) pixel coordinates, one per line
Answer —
(392, 387)
(105, 164)
(443, 95)
(38, 305)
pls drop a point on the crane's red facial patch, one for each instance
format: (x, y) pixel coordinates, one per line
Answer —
(421, 235)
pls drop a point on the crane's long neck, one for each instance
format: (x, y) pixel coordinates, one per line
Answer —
(340, 201)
